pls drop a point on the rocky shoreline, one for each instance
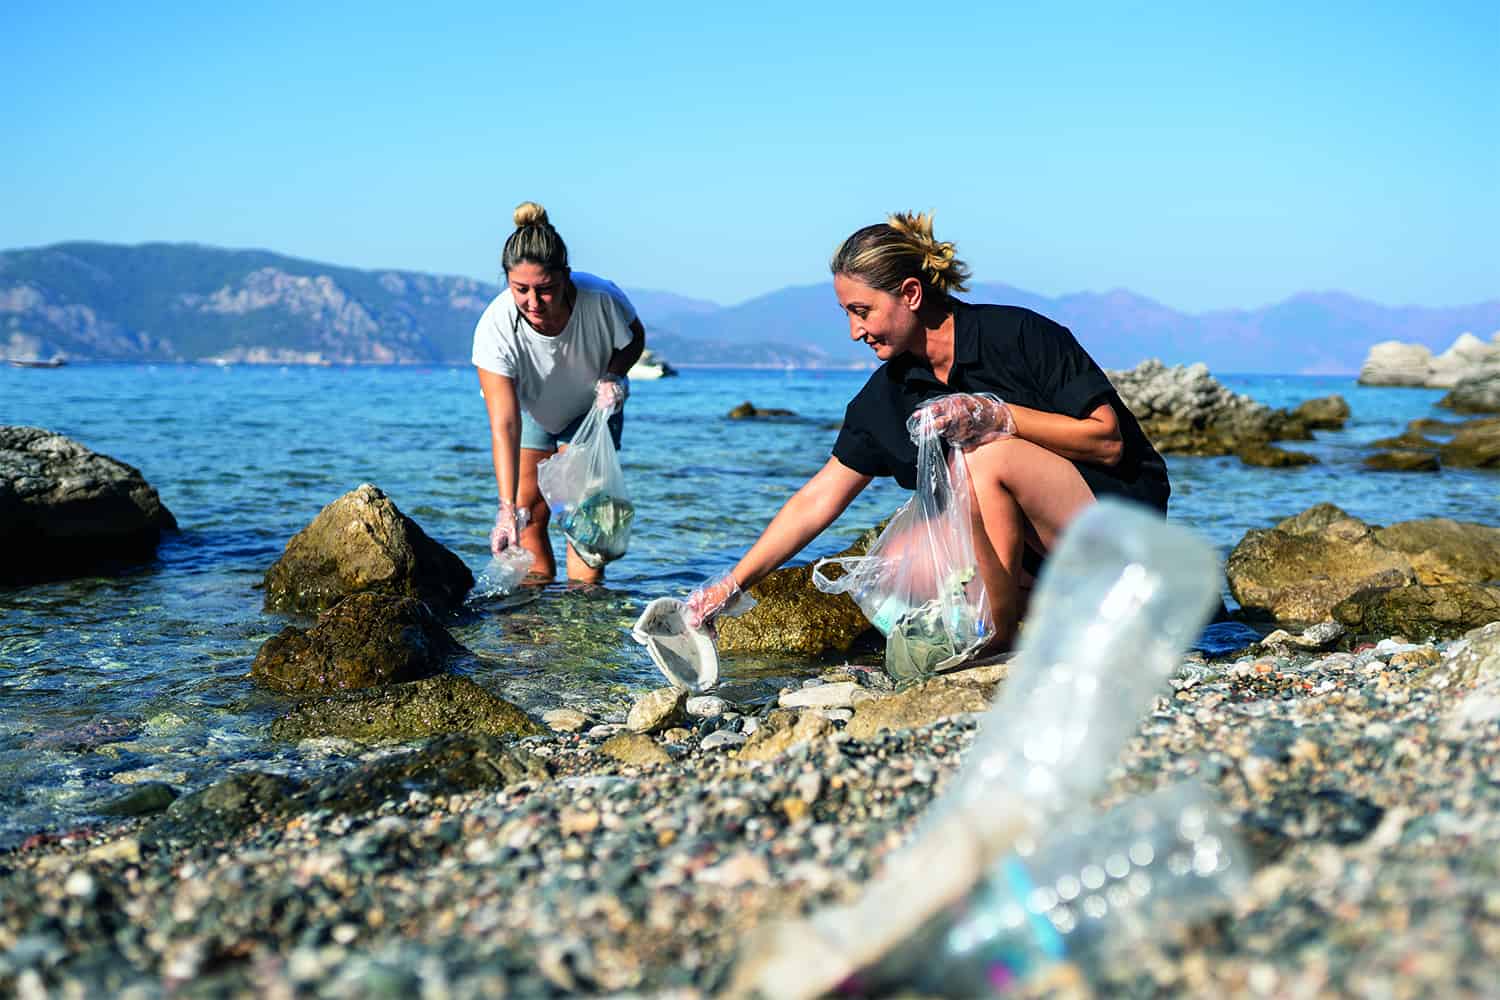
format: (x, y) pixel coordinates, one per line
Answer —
(550, 866)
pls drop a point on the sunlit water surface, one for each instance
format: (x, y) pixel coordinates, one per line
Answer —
(105, 681)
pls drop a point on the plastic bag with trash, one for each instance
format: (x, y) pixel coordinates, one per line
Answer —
(504, 573)
(919, 583)
(584, 486)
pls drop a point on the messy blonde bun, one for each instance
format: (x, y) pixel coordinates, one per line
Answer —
(535, 241)
(886, 254)
(529, 213)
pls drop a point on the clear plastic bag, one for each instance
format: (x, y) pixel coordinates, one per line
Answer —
(585, 488)
(504, 573)
(919, 583)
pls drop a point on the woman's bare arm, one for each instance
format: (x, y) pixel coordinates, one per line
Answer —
(801, 519)
(504, 411)
(1096, 438)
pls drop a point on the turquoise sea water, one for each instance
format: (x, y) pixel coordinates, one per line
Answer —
(108, 680)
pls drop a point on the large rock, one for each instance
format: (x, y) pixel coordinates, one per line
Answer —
(1441, 611)
(362, 542)
(448, 765)
(1474, 445)
(362, 641)
(400, 713)
(1323, 413)
(1391, 362)
(66, 511)
(1185, 411)
(793, 616)
(923, 705)
(1476, 393)
(1446, 551)
(783, 730)
(1297, 571)
(1402, 460)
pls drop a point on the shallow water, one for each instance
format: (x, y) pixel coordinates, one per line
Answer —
(105, 681)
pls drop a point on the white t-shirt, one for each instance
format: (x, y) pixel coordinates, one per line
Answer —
(555, 376)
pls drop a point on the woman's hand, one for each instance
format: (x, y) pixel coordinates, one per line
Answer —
(721, 596)
(964, 419)
(610, 392)
(510, 521)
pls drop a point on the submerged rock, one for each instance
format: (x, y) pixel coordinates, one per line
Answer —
(749, 411)
(1474, 445)
(66, 511)
(363, 641)
(400, 713)
(1402, 460)
(1441, 610)
(362, 542)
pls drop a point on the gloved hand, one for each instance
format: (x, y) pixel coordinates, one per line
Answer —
(610, 392)
(510, 521)
(720, 596)
(965, 419)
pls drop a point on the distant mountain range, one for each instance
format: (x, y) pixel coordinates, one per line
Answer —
(185, 302)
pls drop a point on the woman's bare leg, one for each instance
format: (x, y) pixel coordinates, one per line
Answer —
(535, 539)
(1023, 493)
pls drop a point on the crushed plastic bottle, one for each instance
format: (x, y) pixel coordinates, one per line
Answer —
(1120, 597)
(504, 573)
(1085, 895)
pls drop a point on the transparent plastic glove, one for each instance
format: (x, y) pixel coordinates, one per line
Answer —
(719, 596)
(610, 392)
(510, 521)
(964, 419)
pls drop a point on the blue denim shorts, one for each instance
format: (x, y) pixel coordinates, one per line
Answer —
(539, 438)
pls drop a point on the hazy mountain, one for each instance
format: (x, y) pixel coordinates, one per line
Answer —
(184, 302)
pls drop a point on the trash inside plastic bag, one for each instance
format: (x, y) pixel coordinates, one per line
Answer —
(685, 655)
(584, 486)
(504, 573)
(919, 583)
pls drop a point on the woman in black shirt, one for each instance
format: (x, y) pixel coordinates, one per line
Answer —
(1043, 431)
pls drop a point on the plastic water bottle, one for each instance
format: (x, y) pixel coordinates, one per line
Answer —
(1084, 895)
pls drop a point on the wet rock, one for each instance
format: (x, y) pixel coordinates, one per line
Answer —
(793, 616)
(143, 799)
(362, 641)
(67, 511)
(1402, 461)
(1323, 413)
(362, 542)
(749, 411)
(781, 731)
(1442, 610)
(919, 706)
(1476, 393)
(657, 710)
(1269, 456)
(1407, 440)
(635, 748)
(1297, 571)
(214, 815)
(1475, 445)
(447, 765)
(399, 713)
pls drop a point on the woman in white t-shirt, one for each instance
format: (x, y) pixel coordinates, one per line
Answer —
(549, 346)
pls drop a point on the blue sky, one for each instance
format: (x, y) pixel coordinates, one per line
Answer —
(1207, 158)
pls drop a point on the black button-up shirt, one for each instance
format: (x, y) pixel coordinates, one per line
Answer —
(1022, 357)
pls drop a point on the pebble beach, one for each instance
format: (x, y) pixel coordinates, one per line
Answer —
(1362, 781)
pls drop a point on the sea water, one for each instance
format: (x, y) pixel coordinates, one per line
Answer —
(145, 676)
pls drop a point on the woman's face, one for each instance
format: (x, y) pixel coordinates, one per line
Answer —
(887, 323)
(541, 296)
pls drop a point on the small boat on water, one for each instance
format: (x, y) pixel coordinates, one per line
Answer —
(650, 366)
(55, 362)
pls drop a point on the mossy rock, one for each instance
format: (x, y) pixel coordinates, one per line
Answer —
(1441, 611)
(399, 713)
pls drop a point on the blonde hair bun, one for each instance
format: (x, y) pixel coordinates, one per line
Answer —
(529, 213)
